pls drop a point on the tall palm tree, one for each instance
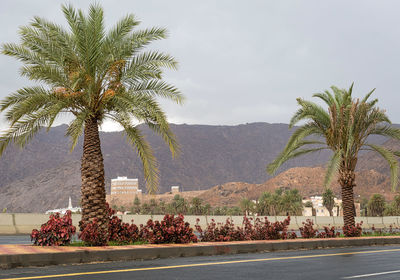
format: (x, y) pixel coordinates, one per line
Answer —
(92, 75)
(344, 128)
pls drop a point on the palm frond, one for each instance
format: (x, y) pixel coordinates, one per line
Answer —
(389, 156)
(332, 167)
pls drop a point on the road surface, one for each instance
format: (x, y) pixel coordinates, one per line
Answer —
(378, 262)
(15, 239)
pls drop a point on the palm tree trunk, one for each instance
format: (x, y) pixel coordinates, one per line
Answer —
(347, 183)
(92, 173)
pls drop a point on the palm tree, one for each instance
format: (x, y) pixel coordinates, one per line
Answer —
(196, 205)
(376, 205)
(92, 75)
(247, 206)
(328, 200)
(344, 129)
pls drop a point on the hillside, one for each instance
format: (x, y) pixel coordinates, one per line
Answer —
(308, 180)
(45, 173)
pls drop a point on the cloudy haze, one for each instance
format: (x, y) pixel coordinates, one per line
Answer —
(247, 61)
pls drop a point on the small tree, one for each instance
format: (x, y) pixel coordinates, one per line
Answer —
(393, 209)
(153, 206)
(376, 205)
(136, 205)
(328, 200)
(247, 206)
(309, 204)
(263, 206)
(292, 203)
(364, 206)
(196, 206)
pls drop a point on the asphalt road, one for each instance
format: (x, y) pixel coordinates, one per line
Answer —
(15, 239)
(343, 263)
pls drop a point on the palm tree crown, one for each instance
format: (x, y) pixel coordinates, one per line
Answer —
(345, 129)
(92, 75)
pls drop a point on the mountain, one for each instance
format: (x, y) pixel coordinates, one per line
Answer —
(308, 180)
(45, 173)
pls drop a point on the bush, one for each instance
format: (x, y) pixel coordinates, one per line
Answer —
(120, 232)
(56, 231)
(220, 232)
(265, 230)
(261, 230)
(170, 230)
(91, 234)
(307, 230)
(329, 232)
(353, 231)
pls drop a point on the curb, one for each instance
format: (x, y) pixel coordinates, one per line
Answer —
(143, 252)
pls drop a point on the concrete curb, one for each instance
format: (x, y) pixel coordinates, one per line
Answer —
(143, 252)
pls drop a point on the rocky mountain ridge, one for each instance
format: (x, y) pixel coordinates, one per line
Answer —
(45, 173)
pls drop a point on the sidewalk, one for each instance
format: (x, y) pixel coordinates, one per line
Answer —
(28, 255)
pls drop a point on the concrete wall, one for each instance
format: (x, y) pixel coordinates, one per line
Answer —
(23, 223)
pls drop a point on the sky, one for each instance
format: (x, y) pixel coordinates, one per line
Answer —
(247, 61)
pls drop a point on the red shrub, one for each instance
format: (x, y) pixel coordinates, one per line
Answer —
(329, 232)
(260, 230)
(91, 234)
(121, 232)
(353, 231)
(270, 231)
(56, 231)
(170, 230)
(220, 232)
(292, 235)
(117, 231)
(307, 230)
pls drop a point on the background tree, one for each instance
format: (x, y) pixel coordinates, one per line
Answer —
(309, 204)
(136, 205)
(393, 209)
(263, 206)
(178, 205)
(207, 209)
(153, 205)
(344, 129)
(292, 203)
(247, 206)
(376, 205)
(92, 75)
(328, 200)
(196, 206)
(364, 206)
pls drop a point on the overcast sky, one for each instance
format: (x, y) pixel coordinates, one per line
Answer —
(248, 61)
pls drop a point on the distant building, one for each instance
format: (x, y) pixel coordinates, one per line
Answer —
(320, 210)
(64, 210)
(175, 189)
(123, 191)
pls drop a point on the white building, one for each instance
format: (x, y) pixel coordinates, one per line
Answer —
(64, 210)
(123, 191)
(320, 209)
(175, 189)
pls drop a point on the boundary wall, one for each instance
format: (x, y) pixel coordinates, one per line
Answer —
(23, 223)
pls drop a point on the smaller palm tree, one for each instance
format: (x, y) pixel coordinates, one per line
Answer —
(247, 206)
(328, 200)
(376, 205)
(344, 129)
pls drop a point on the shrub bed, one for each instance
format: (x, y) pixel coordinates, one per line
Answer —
(59, 231)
